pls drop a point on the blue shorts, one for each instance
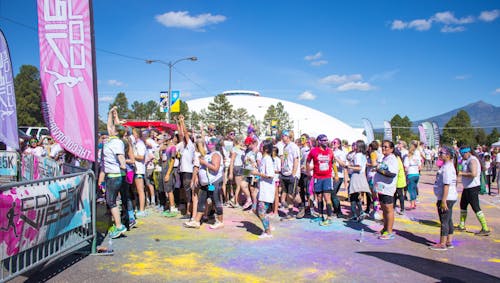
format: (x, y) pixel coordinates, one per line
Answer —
(323, 185)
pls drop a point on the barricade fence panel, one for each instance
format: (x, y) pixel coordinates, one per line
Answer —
(43, 219)
(9, 166)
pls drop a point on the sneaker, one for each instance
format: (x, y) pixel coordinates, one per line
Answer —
(217, 225)
(301, 213)
(173, 212)
(186, 216)
(132, 223)
(354, 218)
(326, 222)
(314, 214)
(340, 215)
(192, 224)
(381, 232)
(460, 228)
(247, 205)
(483, 233)
(141, 214)
(387, 236)
(438, 247)
(265, 236)
(401, 212)
(450, 245)
(288, 217)
(363, 215)
(117, 232)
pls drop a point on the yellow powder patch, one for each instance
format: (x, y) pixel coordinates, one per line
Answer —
(496, 260)
(195, 267)
(183, 266)
(443, 259)
(496, 241)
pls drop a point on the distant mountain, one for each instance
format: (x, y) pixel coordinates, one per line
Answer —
(481, 114)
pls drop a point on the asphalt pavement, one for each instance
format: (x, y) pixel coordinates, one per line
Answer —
(160, 249)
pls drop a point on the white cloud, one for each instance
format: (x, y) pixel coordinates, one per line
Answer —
(385, 76)
(115, 83)
(313, 57)
(307, 95)
(489, 16)
(420, 24)
(350, 101)
(497, 91)
(449, 18)
(398, 25)
(446, 19)
(319, 63)
(106, 99)
(182, 19)
(337, 79)
(362, 86)
(462, 77)
(450, 29)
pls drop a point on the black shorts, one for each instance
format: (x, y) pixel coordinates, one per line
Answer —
(385, 199)
(237, 171)
(289, 184)
(304, 182)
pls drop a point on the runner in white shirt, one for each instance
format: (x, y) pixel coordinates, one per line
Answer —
(290, 173)
(384, 182)
(140, 170)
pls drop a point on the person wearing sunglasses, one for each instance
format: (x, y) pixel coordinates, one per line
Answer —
(445, 190)
(471, 180)
(385, 181)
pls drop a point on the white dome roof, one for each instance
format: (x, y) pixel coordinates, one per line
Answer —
(305, 119)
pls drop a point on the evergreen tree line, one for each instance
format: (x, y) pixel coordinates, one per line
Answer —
(222, 114)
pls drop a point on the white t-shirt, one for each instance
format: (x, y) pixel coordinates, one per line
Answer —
(304, 152)
(266, 185)
(226, 150)
(238, 159)
(280, 145)
(110, 150)
(187, 156)
(342, 156)
(37, 151)
(471, 182)
(140, 150)
(412, 163)
(205, 176)
(387, 185)
(446, 176)
(290, 152)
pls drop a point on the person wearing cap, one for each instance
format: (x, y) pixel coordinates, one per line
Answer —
(322, 159)
(290, 173)
(471, 180)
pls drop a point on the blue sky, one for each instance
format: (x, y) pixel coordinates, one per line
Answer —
(349, 59)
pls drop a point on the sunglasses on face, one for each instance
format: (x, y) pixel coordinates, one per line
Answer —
(323, 140)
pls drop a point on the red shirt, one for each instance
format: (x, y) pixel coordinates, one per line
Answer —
(322, 161)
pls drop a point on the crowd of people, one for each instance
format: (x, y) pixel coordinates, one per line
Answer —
(198, 175)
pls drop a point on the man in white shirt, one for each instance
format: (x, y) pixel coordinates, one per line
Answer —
(290, 173)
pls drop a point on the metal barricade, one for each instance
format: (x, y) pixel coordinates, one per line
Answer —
(53, 222)
(10, 162)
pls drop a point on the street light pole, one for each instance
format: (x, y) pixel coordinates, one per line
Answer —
(170, 66)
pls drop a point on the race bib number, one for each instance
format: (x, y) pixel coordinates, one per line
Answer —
(323, 167)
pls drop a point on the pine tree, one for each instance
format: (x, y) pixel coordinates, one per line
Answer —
(28, 96)
(459, 129)
(220, 112)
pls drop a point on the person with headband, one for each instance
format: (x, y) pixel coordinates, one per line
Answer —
(471, 180)
(445, 190)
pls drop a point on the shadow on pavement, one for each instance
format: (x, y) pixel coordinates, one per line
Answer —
(414, 238)
(252, 228)
(444, 272)
(355, 225)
